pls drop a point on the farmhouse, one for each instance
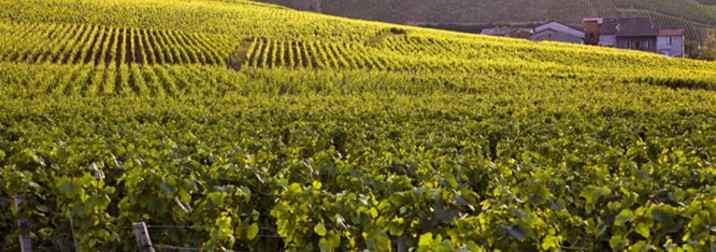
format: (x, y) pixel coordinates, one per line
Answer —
(554, 31)
(635, 33)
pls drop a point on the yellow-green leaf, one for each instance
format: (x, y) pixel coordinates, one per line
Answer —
(324, 245)
(618, 242)
(643, 229)
(551, 242)
(426, 240)
(373, 212)
(252, 231)
(320, 229)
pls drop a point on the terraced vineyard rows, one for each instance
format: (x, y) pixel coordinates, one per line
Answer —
(265, 53)
(97, 45)
(692, 30)
(570, 12)
(100, 45)
(689, 10)
(137, 61)
(605, 8)
(103, 80)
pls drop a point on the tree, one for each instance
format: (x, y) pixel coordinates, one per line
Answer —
(692, 49)
(708, 50)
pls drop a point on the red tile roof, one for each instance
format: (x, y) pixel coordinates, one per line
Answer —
(671, 32)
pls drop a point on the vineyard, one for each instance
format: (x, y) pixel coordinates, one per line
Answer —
(689, 10)
(571, 12)
(102, 45)
(606, 8)
(236, 125)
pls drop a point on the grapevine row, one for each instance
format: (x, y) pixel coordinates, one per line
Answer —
(101, 45)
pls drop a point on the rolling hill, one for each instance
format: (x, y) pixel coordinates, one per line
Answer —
(237, 125)
(697, 17)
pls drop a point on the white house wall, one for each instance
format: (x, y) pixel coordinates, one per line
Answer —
(560, 28)
(676, 47)
(608, 40)
(550, 35)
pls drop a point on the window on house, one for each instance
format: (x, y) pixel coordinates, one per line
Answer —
(671, 40)
(628, 44)
(638, 45)
(647, 44)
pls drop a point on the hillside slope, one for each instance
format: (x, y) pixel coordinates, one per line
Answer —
(230, 124)
(694, 16)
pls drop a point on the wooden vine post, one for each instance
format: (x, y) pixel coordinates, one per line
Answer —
(401, 246)
(144, 242)
(25, 241)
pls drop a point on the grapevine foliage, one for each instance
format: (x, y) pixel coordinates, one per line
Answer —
(328, 134)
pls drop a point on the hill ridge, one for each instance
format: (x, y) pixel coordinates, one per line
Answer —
(485, 13)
